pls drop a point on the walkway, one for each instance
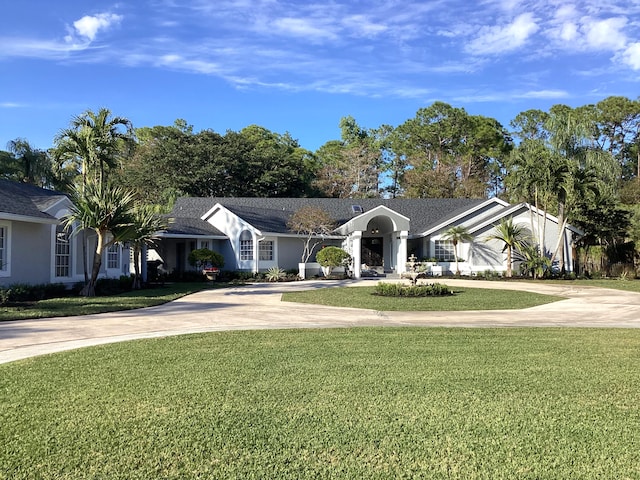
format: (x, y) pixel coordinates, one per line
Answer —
(259, 307)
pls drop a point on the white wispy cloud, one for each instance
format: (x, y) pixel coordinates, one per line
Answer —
(304, 28)
(79, 38)
(12, 105)
(89, 25)
(34, 48)
(606, 34)
(504, 38)
(631, 56)
(543, 94)
(407, 49)
(362, 25)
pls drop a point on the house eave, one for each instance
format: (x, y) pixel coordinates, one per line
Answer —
(29, 219)
(190, 235)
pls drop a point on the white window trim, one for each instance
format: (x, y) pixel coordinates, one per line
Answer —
(246, 250)
(261, 250)
(55, 255)
(118, 267)
(6, 269)
(451, 253)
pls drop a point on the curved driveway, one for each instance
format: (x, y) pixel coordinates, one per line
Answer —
(259, 307)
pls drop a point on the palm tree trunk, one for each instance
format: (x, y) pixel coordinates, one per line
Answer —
(455, 252)
(137, 283)
(89, 289)
(509, 273)
(84, 256)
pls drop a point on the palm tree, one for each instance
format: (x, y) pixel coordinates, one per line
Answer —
(146, 223)
(93, 140)
(457, 234)
(512, 236)
(105, 209)
(96, 140)
(35, 163)
(533, 262)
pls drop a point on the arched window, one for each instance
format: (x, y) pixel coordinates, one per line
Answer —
(246, 246)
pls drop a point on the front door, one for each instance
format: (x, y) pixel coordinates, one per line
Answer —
(180, 251)
(372, 252)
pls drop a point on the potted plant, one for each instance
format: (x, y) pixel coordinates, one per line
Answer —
(208, 261)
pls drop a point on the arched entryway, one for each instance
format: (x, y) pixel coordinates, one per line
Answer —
(376, 244)
(377, 238)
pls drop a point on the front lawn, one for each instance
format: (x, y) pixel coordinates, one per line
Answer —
(464, 299)
(71, 306)
(366, 403)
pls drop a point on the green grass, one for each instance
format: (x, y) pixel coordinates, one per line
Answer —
(464, 299)
(369, 403)
(71, 306)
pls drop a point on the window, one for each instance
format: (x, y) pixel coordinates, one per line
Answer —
(205, 244)
(444, 251)
(113, 256)
(266, 250)
(246, 246)
(63, 253)
(3, 248)
(246, 249)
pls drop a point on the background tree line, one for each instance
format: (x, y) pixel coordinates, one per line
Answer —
(582, 164)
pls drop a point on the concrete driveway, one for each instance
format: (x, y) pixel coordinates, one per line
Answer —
(259, 307)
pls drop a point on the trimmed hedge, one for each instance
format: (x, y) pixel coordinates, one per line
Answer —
(401, 290)
(22, 292)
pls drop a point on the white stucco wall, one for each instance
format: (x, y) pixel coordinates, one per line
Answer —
(29, 258)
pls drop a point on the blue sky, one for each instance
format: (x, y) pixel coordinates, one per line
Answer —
(299, 66)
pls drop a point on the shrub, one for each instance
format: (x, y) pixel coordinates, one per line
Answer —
(330, 257)
(490, 275)
(203, 257)
(400, 290)
(113, 286)
(275, 274)
(22, 292)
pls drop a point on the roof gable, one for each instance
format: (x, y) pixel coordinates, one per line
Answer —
(28, 202)
(361, 221)
(465, 212)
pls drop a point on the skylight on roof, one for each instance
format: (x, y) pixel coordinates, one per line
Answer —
(357, 209)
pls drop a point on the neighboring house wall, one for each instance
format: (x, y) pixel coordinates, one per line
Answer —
(28, 253)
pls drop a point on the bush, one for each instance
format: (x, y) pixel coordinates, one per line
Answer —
(113, 286)
(332, 257)
(22, 292)
(203, 257)
(275, 274)
(490, 275)
(401, 290)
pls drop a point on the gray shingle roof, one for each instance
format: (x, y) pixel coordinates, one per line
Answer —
(27, 200)
(191, 226)
(271, 214)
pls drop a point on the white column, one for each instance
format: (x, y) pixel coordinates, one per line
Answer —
(256, 251)
(356, 238)
(401, 263)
